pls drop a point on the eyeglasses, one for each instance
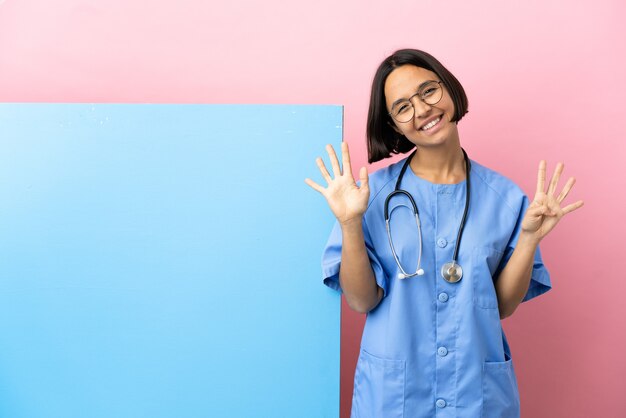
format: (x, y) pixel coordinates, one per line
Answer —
(430, 93)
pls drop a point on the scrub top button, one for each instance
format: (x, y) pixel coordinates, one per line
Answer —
(442, 351)
(440, 403)
(441, 242)
(443, 297)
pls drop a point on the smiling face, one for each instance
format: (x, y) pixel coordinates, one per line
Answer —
(403, 83)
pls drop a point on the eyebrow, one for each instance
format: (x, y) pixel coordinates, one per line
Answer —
(418, 89)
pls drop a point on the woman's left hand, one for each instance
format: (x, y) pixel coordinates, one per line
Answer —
(545, 211)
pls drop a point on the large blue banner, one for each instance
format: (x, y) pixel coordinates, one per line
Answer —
(164, 261)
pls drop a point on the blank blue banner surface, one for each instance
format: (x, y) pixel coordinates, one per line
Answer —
(164, 261)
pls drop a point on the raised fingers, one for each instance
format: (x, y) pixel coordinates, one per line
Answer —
(555, 179)
(323, 170)
(345, 154)
(314, 185)
(541, 177)
(568, 186)
(334, 162)
(572, 207)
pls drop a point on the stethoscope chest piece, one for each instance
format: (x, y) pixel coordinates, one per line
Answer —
(451, 272)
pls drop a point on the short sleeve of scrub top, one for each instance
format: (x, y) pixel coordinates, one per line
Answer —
(331, 259)
(433, 348)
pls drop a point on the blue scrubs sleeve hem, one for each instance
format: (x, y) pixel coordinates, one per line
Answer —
(539, 283)
(331, 277)
(380, 278)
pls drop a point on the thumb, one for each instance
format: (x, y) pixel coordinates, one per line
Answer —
(363, 177)
(537, 211)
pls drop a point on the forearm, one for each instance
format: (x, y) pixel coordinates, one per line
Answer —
(513, 282)
(355, 274)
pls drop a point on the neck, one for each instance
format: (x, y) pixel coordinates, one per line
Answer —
(442, 165)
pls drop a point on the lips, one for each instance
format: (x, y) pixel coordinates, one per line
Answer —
(429, 123)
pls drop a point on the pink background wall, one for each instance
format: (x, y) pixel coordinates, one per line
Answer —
(545, 79)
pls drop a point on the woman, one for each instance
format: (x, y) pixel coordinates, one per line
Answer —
(434, 286)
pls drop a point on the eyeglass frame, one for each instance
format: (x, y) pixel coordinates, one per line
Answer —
(419, 93)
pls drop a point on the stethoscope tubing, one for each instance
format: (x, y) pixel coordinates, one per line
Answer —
(451, 272)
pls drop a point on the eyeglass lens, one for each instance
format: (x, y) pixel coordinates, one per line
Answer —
(430, 94)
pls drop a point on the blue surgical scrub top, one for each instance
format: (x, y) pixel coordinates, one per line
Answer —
(433, 348)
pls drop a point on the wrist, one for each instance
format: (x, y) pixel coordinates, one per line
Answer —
(527, 239)
(352, 223)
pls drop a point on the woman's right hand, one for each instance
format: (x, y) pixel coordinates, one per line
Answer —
(346, 199)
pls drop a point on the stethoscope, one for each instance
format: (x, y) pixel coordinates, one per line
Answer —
(451, 271)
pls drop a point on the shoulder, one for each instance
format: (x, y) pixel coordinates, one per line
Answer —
(488, 181)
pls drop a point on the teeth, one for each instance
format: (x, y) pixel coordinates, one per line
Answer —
(431, 124)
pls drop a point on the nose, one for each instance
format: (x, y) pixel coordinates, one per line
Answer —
(421, 108)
